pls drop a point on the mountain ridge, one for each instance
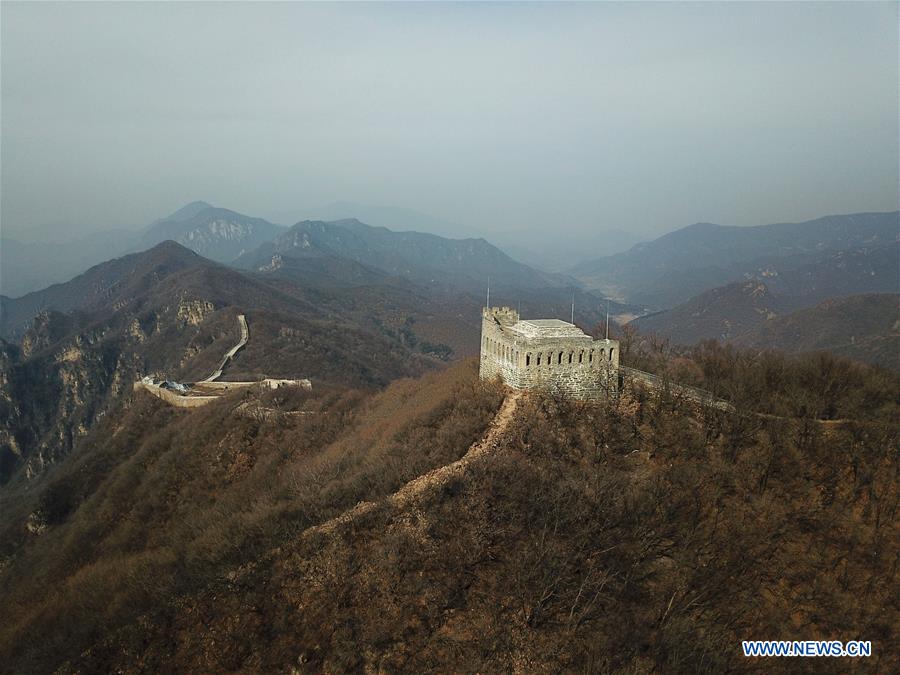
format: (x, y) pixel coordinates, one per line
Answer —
(861, 327)
(421, 257)
(97, 285)
(720, 313)
(678, 265)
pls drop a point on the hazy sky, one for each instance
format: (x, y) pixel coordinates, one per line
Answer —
(548, 119)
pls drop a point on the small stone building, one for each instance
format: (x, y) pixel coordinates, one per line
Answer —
(546, 354)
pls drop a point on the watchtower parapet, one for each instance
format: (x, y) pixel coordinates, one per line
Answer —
(546, 354)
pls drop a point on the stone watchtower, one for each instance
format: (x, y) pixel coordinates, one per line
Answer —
(546, 354)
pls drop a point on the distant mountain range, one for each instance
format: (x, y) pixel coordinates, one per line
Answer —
(217, 234)
(675, 267)
(416, 270)
(251, 243)
(559, 254)
(712, 281)
(422, 258)
(393, 217)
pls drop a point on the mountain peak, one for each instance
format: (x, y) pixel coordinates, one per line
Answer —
(702, 226)
(215, 233)
(188, 211)
(169, 248)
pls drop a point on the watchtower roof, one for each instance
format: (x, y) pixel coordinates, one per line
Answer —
(547, 328)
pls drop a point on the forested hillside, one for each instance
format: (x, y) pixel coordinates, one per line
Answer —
(170, 313)
(747, 313)
(634, 534)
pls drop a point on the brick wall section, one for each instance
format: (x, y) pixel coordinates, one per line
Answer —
(174, 399)
(558, 358)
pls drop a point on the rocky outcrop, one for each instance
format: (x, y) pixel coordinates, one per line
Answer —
(194, 312)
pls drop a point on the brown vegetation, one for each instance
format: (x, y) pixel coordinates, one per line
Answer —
(158, 503)
(639, 534)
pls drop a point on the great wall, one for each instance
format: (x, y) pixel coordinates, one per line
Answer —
(204, 392)
(511, 347)
(556, 356)
(536, 354)
(417, 488)
(695, 395)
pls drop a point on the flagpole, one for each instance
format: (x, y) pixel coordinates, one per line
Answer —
(607, 318)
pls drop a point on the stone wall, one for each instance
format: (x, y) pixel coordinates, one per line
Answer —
(701, 397)
(174, 399)
(499, 353)
(567, 368)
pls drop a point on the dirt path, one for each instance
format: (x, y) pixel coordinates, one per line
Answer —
(418, 487)
(245, 335)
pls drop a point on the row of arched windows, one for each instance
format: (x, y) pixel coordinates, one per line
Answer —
(558, 358)
(510, 355)
(500, 351)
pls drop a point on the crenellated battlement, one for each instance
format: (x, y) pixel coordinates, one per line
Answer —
(505, 316)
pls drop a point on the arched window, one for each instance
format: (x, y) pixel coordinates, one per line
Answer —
(559, 358)
(571, 354)
(539, 358)
(527, 360)
(611, 350)
(591, 356)
(581, 356)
